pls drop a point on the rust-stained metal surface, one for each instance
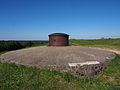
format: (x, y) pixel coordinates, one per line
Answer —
(58, 39)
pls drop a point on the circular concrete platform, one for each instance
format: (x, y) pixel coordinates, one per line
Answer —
(62, 57)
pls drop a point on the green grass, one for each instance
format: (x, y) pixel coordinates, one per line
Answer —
(103, 43)
(3, 52)
(18, 77)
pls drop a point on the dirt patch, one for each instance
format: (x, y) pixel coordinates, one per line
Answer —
(60, 57)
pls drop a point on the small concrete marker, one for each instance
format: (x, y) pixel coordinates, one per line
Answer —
(83, 63)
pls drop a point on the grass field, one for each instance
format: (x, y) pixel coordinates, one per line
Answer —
(16, 77)
(102, 43)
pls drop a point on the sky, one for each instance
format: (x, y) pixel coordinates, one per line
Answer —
(81, 19)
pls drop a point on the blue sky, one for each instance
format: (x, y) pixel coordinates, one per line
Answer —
(81, 19)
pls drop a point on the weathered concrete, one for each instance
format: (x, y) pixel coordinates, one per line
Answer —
(60, 58)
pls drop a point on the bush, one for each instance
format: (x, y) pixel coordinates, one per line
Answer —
(10, 45)
(13, 45)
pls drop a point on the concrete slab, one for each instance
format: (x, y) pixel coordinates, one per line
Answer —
(45, 56)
